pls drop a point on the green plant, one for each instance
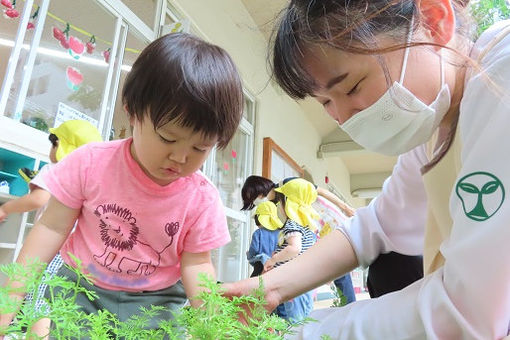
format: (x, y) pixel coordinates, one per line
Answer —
(487, 12)
(340, 299)
(218, 318)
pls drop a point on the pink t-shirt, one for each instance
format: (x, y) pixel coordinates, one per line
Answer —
(131, 232)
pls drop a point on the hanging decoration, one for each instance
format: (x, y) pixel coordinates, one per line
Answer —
(62, 36)
(225, 167)
(74, 78)
(106, 55)
(91, 45)
(234, 154)
(76, 47)
(30, 24)
(6, 3)
(11, 12)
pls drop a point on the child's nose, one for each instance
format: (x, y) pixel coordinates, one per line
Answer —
(178, 156)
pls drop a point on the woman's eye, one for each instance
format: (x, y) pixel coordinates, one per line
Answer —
(326, 103)
(199, 150)
(355, 89)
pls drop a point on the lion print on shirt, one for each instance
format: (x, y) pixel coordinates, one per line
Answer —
(123, 251)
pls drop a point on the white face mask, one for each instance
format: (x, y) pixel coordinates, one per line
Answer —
(257, 200)
(398, 121)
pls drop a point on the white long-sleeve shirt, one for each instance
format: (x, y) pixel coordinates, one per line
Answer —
(469, 297)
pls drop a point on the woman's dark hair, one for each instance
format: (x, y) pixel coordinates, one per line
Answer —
(183, 79)
(53, 139)
(350, 26)
(253, 187)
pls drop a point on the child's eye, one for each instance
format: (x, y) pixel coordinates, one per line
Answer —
(165, 140)
(199, 149)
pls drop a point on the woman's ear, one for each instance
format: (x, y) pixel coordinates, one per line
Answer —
(438, 19)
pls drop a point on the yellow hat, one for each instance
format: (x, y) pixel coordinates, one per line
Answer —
(300, 194)
(73, 134)
(267, 215)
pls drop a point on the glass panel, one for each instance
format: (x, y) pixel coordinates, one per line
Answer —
(248, 110)
(145, 10)
(229, 170)
(8, 30)
(134, 45)
(70, 69)
(228, 259)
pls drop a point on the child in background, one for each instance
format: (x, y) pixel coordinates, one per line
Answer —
(294, 198)
(64, 139)
(67, 137)
(147, 217)
(265, 239)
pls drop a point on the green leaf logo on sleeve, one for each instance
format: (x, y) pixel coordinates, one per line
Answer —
(481, 194)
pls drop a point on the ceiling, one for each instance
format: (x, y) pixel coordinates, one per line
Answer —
(368, 170)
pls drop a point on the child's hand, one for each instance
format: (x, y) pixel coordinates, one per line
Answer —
(269, 265)
(3, 215)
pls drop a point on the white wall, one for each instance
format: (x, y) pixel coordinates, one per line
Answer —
(228, 24)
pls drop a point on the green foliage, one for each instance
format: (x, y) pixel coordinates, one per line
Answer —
(218, 318)
(340, 299)
(487, 12)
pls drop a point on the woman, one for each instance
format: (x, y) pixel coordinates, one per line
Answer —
(401, 78)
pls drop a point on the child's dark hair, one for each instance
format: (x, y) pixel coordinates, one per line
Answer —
(53, 139)
(253, 187)
(257, 222)
(183, 79)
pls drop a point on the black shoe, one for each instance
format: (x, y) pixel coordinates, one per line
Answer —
(27, 174)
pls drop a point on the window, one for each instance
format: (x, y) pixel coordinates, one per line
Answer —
(68, 78)
(228, 169)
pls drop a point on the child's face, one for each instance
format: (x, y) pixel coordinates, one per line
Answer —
(169, 152)
(53, 153)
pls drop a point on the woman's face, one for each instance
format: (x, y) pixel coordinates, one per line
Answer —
(349, 83)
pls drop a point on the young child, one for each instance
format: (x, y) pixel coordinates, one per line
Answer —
(147, 217)
(265, 238)
(64, 139)
(67, 137)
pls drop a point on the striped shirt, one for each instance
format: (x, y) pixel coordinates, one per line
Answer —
(291, 228)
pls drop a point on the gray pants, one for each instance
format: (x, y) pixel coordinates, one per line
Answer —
(125, 304)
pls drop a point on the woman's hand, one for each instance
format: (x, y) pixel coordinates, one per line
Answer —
(247, 286)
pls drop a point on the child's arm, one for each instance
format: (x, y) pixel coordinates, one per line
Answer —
(292, 250)
(32, 201)
(191, 265)
(44, 241)
(347, 210)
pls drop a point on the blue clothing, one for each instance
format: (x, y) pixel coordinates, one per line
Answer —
(263, 244)
(296, 309)
(344, 283)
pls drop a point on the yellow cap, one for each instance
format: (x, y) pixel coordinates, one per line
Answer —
(300, 194)
(72, 134)
(267, 215)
